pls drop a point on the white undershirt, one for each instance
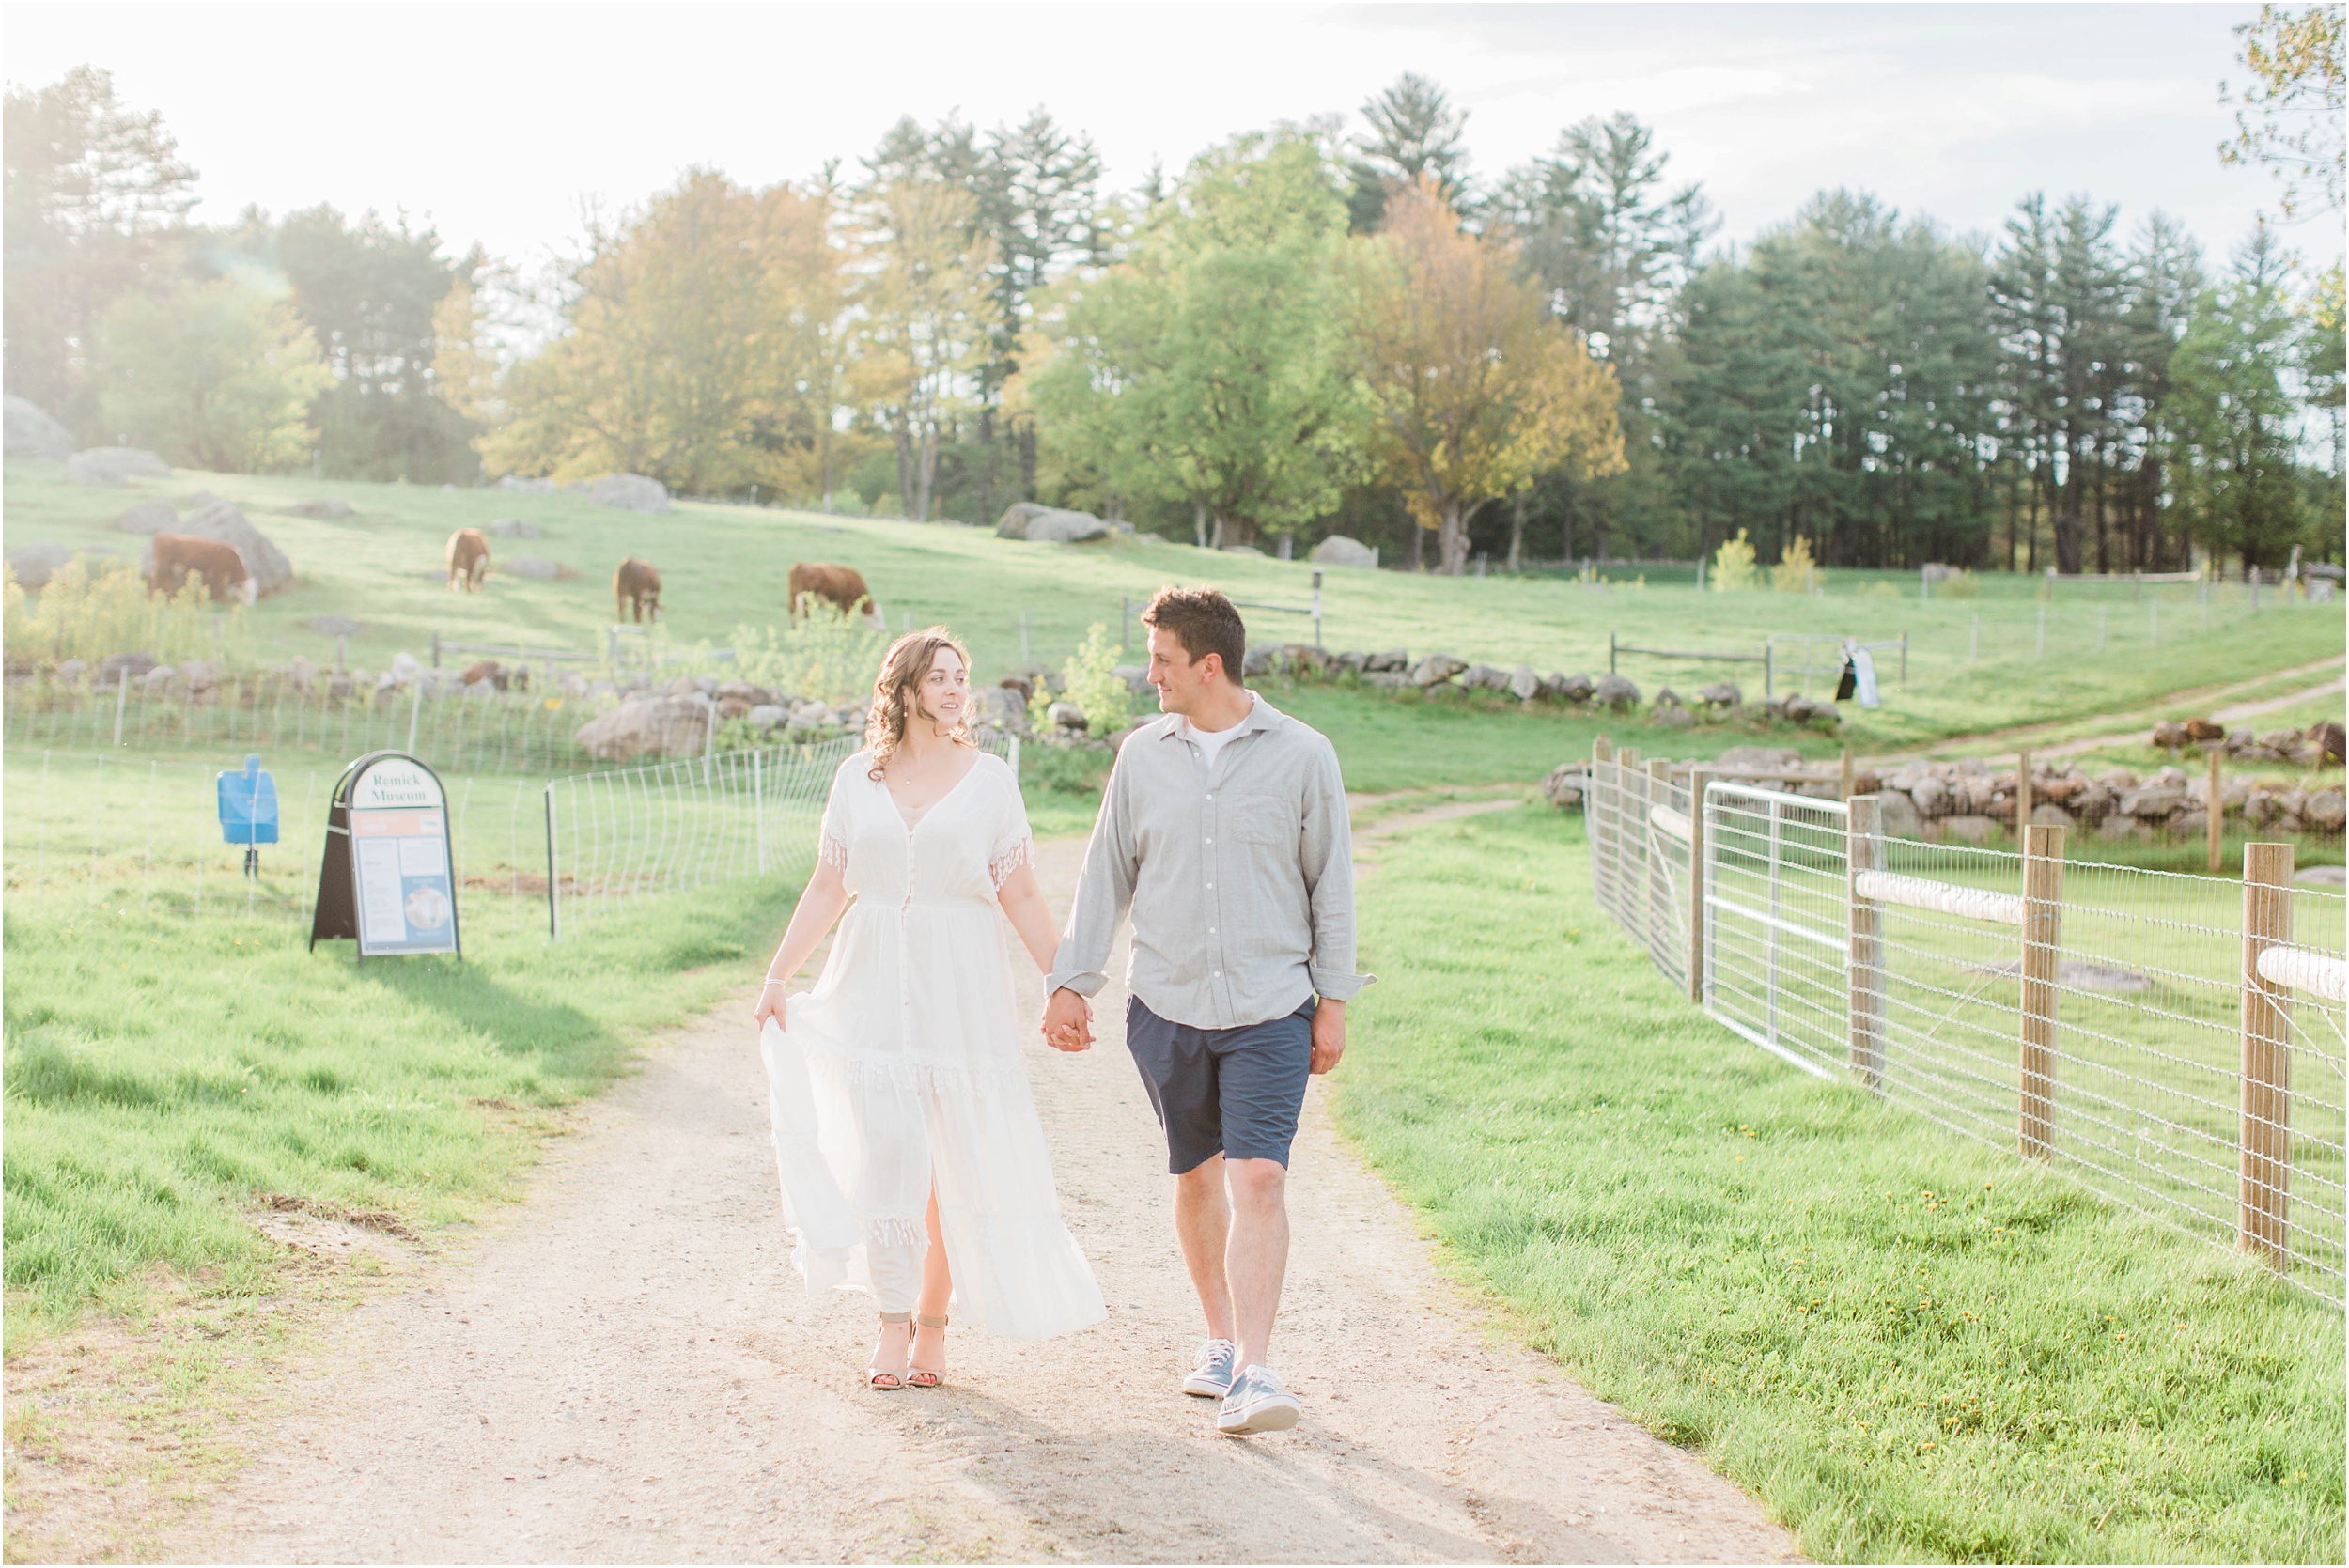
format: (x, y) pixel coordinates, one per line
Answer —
(1212, 741)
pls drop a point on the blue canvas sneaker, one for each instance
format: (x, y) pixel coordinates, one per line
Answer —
(1257, 1403)
(1212, 1377)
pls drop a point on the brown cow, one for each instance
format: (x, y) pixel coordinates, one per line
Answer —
(467, 560)
(486, 669)
(635, 587)
(842, 587)
(215, 560)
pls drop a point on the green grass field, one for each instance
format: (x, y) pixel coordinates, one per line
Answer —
(1909, 1348)
(724, 566)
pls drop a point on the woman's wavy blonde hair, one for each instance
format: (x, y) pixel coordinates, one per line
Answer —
(894, 699)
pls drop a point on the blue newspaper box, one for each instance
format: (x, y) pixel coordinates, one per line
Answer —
(248, 811)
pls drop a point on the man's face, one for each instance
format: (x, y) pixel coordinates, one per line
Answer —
(1182, 682)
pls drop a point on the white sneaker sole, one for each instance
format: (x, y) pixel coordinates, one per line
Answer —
(1275, 1414)
(1200, 1388)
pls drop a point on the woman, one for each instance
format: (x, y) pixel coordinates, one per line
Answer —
(911, 1159)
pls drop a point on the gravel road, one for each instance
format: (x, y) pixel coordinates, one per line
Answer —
(624, 1368)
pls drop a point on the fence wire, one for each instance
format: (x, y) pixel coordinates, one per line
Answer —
(83, 832)
(2175, 1043)
(612, 837)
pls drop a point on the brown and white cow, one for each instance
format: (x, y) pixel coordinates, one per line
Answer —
(467, 560)
(180, 556)
(635, 588)
(842, 587)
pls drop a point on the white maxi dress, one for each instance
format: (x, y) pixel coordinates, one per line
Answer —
(902, 1067)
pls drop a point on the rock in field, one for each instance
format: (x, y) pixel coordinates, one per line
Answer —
(1566, 786)
(152, 514)
(1067, 716)
(1617, 692)
(1436, 669)
(224, 521)
(29, 432)
(633, 492)
(1393, 659)
(648, 727)
(324, 508)
(1523, 684)
(1041, 524)
(34, 564)
(1897, 816)
(115, 465)
(1966, 829)
(535, 567)
(1339, 550)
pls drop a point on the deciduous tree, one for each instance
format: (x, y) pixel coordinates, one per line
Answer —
(1475, 386)
(211, 375)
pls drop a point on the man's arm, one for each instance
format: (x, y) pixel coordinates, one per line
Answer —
(1326, 854)
(1105, 892)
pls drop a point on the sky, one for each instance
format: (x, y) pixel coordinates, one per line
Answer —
(500, 123)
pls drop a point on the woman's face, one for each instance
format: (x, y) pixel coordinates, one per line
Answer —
(944, 692)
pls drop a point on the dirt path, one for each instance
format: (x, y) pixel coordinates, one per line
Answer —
(626, 1369)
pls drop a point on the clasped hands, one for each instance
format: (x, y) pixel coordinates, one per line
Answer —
(1067, 1021)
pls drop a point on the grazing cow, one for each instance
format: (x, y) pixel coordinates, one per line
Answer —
(177, 556)
(486, 669)
(842, 587)
(635, 592)
(467, 560)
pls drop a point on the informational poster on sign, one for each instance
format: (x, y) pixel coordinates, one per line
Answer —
(402, 892)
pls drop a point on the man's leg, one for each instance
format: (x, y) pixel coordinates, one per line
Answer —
(1257, 1255)
(1203, 1218)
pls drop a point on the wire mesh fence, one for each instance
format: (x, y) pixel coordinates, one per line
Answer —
(85, 831)
(455, 729)
(2173, 1042)
(615, 836)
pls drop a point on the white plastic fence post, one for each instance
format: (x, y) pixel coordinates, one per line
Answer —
(1698, 778)
(415, 711)
(2042, 949)
(122, 696)
(1864, 962)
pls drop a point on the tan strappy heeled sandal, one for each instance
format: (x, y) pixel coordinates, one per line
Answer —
(889, 1381)
(924, 1377)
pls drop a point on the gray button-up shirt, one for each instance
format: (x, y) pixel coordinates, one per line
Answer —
(1240, 880)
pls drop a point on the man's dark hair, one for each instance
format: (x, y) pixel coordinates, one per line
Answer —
(1205, 622)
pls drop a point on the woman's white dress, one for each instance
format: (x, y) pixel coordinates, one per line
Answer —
(902, 1067)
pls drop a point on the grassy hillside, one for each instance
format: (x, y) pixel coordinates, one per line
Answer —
(1972, 663)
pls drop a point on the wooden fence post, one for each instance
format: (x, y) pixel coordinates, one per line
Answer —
(1843, 790)
(1698, 778)
(2264, 1186)
(1864, 963)
(2216, 809)
(2043, 946)
(1659, 793)
(2022, 794)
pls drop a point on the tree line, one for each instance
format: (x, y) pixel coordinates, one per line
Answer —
(1320, 327)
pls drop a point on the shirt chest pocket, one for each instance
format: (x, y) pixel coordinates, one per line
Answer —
(1264, 824)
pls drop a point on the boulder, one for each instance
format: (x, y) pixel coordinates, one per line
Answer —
(26, 431)
(2190, 823)
(1523, 684)
(34, 564)
(1566, 786)
(2168, 735)
(111, 668)
(2322, 876)
(1897, 816)
(72, 670)
(512, 528)
(406, 669)
(115, 465)
(1387, 680)
(1339, 550)
(631, 493)
(150, 515)
(2058, 787)
(1932, 798)
(2202, 730)
(1966, 829)
(536, 568)
(199, 674)
(2046, 813)
(325, 508)
(2324, 810)
(2329, 738)
(1667, 697)
(1576, 688)
(1067, 716)
(1617, 692)
(648, 727)
(1041, 524)
(1242, 549)
(1353, 661)
(1436, 669)
(1393, 659)
(1721, 693)
(2153, 802)
(766, 716)
(1005, 707)
(223, 521)
(527, 486)
(1675, 718)
(1485, 677)
(160, 675)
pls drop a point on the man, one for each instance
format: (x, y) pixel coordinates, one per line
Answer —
(1224, 829)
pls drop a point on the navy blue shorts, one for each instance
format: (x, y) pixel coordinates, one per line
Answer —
(1231, 1092)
